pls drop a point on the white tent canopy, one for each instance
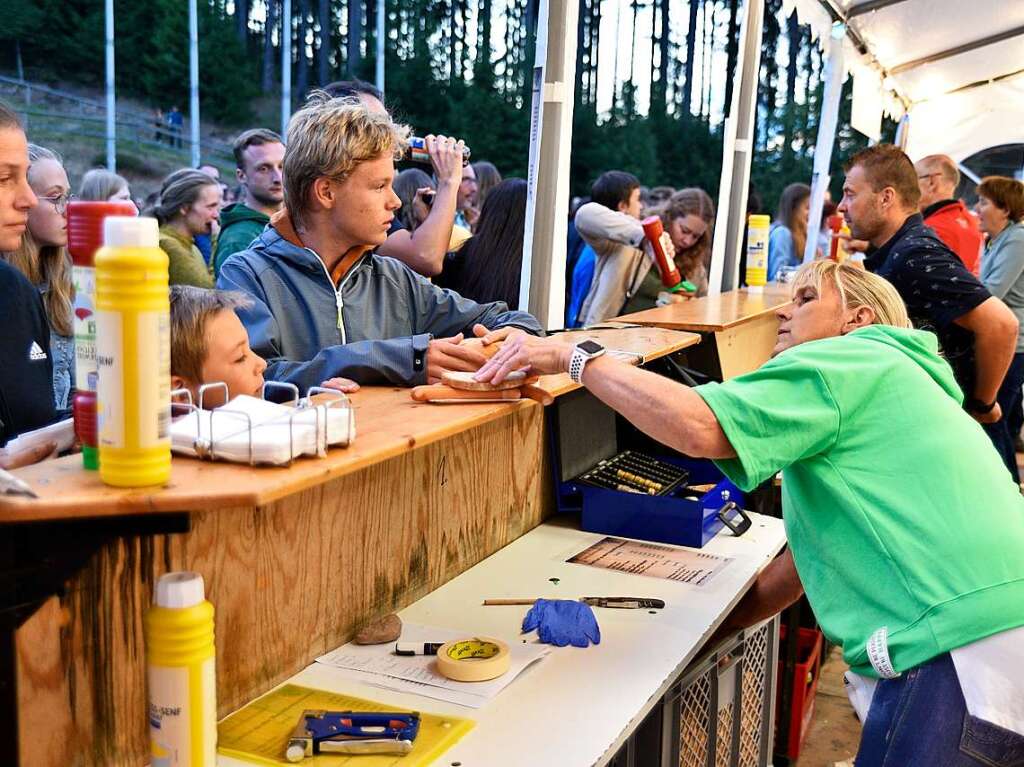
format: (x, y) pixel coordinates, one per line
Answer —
(956, 68)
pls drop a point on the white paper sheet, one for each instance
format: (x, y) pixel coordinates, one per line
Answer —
(378, 665)
(654, 560)
(61, 433)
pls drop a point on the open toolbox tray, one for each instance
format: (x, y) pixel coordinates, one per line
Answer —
(634, 493)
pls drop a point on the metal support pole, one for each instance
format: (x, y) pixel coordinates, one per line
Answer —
(193, 90)
(541, 287)
(737, 152)
(286, 65)
(826, 136)
(903, 132)
(111, 102)
(382, 43)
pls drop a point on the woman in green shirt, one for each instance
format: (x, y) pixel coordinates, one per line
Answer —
(189, 205)
(904, 528)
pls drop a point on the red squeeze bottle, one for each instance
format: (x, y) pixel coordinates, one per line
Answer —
(654, 231)
(85, 237)
(835, 223)
(84, 409)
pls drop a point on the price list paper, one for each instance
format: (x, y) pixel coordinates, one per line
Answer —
(653, 560)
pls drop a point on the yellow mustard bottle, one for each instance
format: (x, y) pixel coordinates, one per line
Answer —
(133, 354)
(180, 674)
(757, 251)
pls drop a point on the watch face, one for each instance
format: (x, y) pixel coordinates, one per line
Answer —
(590, 347)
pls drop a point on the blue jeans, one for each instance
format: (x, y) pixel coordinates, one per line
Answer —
(1003, 432)
(920, 720)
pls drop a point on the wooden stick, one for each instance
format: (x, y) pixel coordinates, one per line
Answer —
(498, 602)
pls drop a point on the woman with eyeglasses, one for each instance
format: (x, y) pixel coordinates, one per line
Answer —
(42, 257)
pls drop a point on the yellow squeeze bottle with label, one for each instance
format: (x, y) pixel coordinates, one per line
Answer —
(180, 674)
(133, 354)
(757, 251)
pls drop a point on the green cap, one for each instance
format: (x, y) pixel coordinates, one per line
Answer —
(91, 457)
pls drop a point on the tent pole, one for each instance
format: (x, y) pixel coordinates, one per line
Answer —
(193, 90)
(286, 65)
(737, 153)
(541, 286)
(381, 44)
(826, 137)
(111, 103)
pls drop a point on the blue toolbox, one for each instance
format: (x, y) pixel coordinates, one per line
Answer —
(646, 493)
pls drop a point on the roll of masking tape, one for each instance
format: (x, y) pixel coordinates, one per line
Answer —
(473, 660)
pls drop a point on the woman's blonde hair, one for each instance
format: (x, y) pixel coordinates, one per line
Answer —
(856, 288)
(100, 184)
(46, 265)
(330, 137)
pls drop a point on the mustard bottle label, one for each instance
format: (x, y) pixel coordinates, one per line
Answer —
(182, 715)
(110, 386)
(152, 397)
(155, 400)
(757, 257)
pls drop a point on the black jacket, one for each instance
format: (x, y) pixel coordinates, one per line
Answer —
(26, 371)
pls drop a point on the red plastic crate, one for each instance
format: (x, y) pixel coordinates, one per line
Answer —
(805, 685)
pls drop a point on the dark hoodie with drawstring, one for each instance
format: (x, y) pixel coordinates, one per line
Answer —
(371, 320)
(239, 226)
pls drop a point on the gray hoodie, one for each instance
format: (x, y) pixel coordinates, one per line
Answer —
(374, 328)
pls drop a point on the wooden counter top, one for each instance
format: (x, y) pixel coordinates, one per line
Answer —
(714, 313)
(388, 423)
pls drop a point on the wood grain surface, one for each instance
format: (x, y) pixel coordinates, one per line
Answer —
(388, 423)
(290, 580)
(714, 313)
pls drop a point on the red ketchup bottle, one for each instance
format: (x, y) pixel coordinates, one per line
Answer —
(654, 231)
(84, 410)
(85, 237)
(670, 277)
(835, 223)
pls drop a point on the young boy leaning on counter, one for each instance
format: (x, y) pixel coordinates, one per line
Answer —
(905, 528)
(209, 345)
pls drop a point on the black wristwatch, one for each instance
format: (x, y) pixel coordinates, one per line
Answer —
(976, 406)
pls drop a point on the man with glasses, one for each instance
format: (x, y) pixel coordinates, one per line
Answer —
(938, 178)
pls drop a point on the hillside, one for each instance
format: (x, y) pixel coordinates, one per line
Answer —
(71, 120)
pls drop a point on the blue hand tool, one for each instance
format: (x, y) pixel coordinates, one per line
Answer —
(352, 732)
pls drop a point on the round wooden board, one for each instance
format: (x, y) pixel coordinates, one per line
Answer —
(465, 381)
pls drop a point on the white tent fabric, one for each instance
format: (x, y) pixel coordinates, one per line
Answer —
(960, 98)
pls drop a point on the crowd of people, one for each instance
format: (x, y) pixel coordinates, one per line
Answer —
(328, 269)
(353, 274)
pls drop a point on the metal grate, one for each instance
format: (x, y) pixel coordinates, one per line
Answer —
(755, 684)
(694, 719)
(723, 753)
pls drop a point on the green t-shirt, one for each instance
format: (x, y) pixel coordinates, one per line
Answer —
(901, 517)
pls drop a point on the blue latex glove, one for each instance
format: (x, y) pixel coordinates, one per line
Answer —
(563, 621)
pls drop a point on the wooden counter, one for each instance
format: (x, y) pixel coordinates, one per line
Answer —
(295, 559)
(739, 327)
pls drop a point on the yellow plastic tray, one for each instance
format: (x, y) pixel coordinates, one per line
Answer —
(259, 732)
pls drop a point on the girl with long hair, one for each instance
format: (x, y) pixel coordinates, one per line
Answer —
(788, 234)
(492, 259)
(689, 218)
(42, 257)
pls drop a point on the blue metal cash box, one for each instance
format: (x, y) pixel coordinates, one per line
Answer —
(617, 495)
